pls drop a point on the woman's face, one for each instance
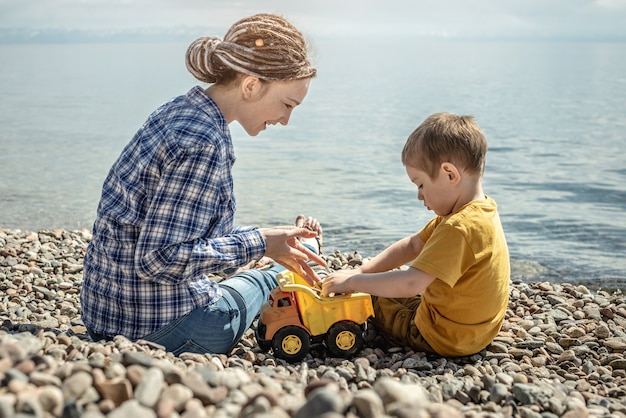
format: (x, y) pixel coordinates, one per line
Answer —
(270, 103)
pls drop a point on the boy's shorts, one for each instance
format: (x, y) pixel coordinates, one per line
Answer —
(395, 317)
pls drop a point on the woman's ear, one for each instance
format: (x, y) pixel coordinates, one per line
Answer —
(453, 175)
(249, 86)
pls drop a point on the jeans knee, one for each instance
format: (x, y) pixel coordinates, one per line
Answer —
(190, 346)
(263, 279)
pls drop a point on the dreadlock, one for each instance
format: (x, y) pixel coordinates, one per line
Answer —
(266, 46)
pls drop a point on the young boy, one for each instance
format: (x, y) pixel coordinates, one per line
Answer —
(453, 298)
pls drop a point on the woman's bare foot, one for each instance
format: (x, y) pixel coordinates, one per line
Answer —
(254, 264)
(312, 224)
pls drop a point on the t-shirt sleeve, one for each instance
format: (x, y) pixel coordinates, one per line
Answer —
(446, 254)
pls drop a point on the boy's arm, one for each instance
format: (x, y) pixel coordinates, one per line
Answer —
(375, 277)
(390, 284)
(396, 255)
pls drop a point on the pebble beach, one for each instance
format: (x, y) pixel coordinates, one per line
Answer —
(560, 353)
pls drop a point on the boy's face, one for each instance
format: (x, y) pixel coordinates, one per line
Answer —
(437, 194)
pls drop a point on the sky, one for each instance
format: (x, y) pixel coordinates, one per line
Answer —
(542, 19)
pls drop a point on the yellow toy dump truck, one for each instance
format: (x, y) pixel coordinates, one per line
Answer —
(297, 316)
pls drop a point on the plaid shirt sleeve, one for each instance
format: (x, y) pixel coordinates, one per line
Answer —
(174, 182)
(188, 227)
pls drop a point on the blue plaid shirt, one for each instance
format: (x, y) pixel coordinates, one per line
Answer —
(165, 220)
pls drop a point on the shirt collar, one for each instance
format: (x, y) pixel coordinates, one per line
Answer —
(198, 98)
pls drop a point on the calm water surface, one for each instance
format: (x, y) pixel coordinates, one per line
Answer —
(554, 115)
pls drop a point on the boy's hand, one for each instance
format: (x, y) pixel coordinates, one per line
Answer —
(338, 282)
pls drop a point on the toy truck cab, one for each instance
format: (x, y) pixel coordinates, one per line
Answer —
(297, 316)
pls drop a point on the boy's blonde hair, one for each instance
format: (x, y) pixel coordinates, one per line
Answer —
(446, 137)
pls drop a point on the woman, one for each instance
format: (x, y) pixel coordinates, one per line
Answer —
(165, 218)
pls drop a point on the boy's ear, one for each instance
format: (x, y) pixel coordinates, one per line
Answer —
(249, 85)
(453, 175)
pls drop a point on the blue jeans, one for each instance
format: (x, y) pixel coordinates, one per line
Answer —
(217, 328)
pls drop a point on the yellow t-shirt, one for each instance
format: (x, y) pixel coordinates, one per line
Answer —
(463, 308)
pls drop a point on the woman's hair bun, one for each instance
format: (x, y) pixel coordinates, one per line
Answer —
(266, 46)
(199, 59)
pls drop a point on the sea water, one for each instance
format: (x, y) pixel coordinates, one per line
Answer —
(554, 115)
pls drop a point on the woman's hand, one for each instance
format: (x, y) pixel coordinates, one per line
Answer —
(339, 282)
(284, 247)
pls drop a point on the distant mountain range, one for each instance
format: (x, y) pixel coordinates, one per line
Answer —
(26, 35)
(187, 34)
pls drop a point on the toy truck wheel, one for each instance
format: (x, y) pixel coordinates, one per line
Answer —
(291, 343)
(264, 344)
(344, 339)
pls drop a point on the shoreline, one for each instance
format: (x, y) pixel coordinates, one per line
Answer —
(560, 353)
(527, 271)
